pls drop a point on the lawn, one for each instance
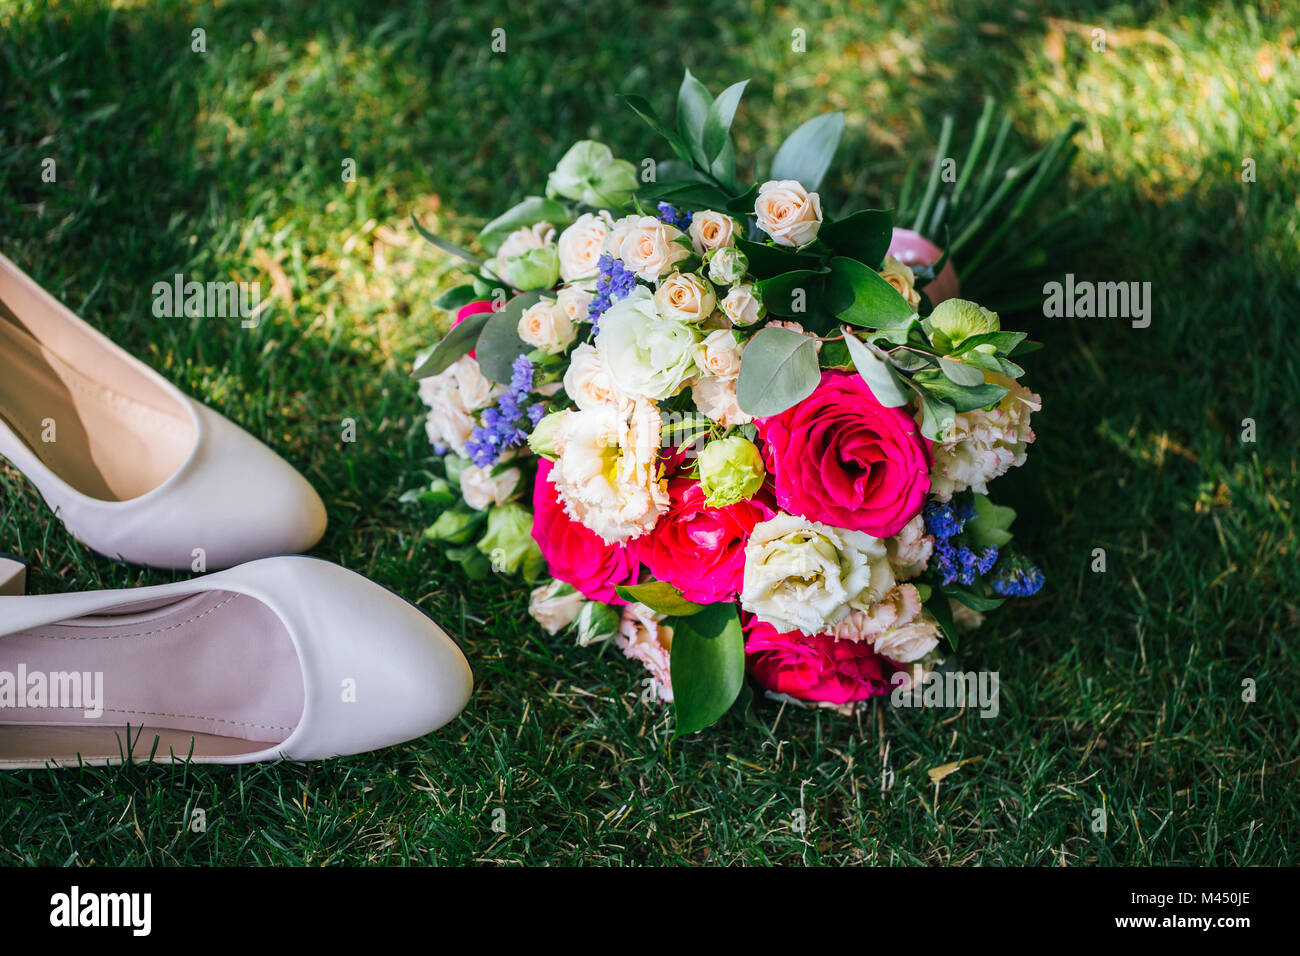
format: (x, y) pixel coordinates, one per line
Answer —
(1122, 690)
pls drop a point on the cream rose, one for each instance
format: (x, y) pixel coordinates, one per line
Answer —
(647, 246)
(555, 606)
(587, 381)
(545, 326)
(711, 230)
(481, 489)
(788, 213)
(685, 297)
(715, 396)
(902, 278)
(581, 244)
(719, 354)
(803, 575)
(742, 306)
(574, 301)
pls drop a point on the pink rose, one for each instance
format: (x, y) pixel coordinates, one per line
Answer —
(697, 549)
(842, 458)
(573, 553)
(473, 308)
(820, 668)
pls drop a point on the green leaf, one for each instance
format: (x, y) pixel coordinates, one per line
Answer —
(960, 374)
(659, 596)
(778, 369)
(779, 292)
(991, 524)
(767, 262)
(864, 236)
(878, 373)
(962, 398)
(992, 363)
(860, 295)
(941, 612)
(807, 152)
(693, 104)
(499, 343)
(459, 341)
(532, 210)
(707, 664)
(717, 127)
(457, 298)
(976, 602)
(449, 247)
(937, 416)
(643, 109)
(1004, 342)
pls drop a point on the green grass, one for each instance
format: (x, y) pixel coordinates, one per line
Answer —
(1121, 690)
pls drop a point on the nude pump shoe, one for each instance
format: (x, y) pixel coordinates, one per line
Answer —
(135, 469)
(288, 657)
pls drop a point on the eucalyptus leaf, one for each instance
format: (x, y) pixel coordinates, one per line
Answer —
(707, 665)
(937, 416)
(877, 373)
(456, 298)
(778, 370)
(459, 341)
(659, 596)
(959, 373)
(962, 398)
(445, 245)
(499, 343)
(806, 153)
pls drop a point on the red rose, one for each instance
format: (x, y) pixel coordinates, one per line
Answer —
(574, 554)
(697, 549)
(819, 668)
(841, 457)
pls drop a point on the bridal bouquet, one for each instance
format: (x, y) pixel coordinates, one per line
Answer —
(728, 432)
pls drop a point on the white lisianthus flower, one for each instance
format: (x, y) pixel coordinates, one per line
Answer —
(555, 606)
(607, 469)
(685, 297)
(711, 230)
(983, 444)
(588, 381)
(803, 575)
(742, 306)
(545, 326)
(481, 489)
(715, 396)
(788, 213)
(643, 636)
(574, 301)
(649, 356)
(647, 246)
(581, 245)
(896, 626)
(452, 395)
(910, 549)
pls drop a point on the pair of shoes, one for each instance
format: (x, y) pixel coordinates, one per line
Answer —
(275, 657)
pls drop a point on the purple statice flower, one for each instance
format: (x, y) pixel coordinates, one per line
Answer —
(613, 282)
(502, 426)
(671, 215)
(960, 564)
(1018, 579)
(945, 519)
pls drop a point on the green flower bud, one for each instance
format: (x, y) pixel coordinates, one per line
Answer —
(589, 173)
(727, 265)
(534, 269)
(957, 319)
(597, 622)
(453, 527)
(731, 470)
(542, 440)
(509, 540)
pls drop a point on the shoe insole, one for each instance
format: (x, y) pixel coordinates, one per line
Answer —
(103, 442)
(216, 669)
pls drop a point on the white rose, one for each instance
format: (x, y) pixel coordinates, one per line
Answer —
(685, 297)
(910, 549)
(574, 302)
(803, 575)
(788, 213)
(606, 469)
(716, 397)
(581, 244)
(555, 606)
(545, 326)
(481, 489)
(742, 306)
(451, 396)
(719, 354)
(711, 230)
(587, 381)
(648, 355)
(902, 278)
(644, 637)
(647, 246)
